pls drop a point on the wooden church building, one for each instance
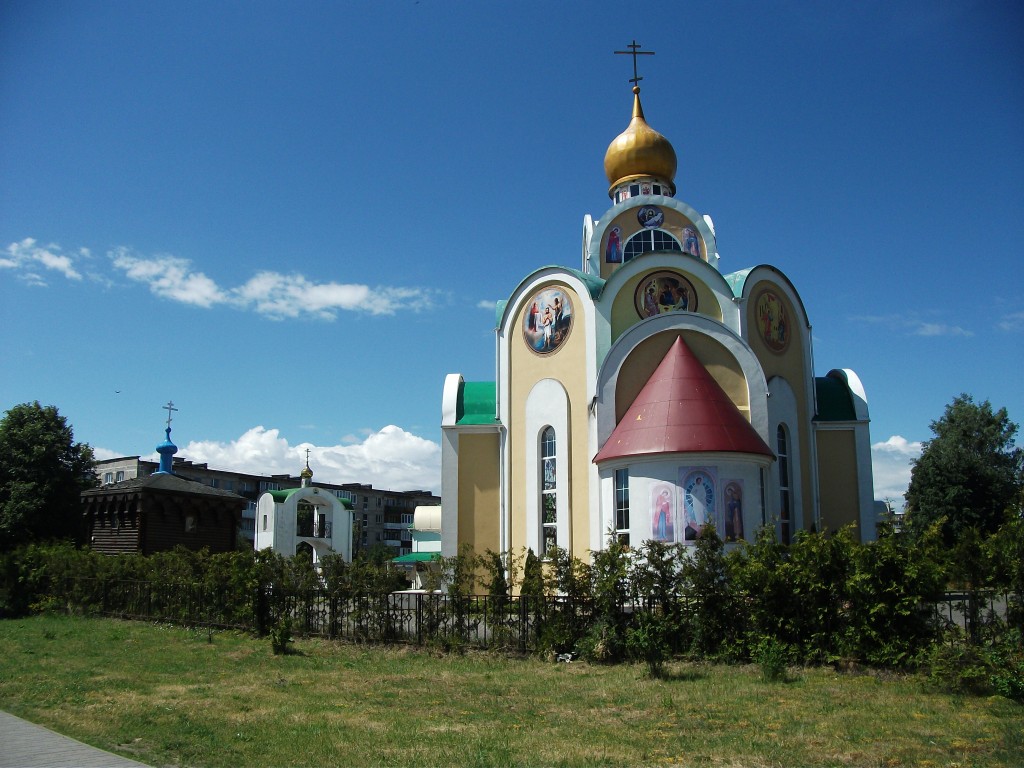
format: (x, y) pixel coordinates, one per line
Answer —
(160, 511)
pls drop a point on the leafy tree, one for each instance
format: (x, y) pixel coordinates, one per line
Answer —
(970, 473)
(42, 474)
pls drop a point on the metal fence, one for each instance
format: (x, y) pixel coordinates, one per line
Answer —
(977, 612)
(416, 617)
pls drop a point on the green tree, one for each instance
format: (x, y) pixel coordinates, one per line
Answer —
(42, 474)
(970, 473)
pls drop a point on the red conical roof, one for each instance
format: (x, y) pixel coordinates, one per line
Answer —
(682, 409)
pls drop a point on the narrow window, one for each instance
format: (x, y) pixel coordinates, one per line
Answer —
(264, 522)
(785, 514)
(622, 506)
(548, 492)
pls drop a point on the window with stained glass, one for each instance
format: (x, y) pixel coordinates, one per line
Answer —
(622, 506)
(548, 490)
(785, 513)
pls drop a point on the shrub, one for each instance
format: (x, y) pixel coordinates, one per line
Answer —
(773, 657)
(1006, 660)
(957, 666)
(281, 636)
(712, 621)
(646, 641)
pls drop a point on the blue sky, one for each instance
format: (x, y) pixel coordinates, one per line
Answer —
(293, 219)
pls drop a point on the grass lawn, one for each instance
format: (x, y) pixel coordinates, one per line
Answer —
(169, 696)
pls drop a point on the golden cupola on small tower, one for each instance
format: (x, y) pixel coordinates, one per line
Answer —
(637, 155)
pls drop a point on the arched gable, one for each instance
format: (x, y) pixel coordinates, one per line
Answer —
(623, 217)
(620, 304)
(636, 353)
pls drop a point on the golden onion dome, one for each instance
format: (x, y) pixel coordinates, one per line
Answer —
(639, 151)
(306, 473)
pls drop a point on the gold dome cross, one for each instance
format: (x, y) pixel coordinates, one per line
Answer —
(634, 51)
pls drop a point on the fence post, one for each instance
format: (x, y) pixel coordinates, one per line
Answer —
(419, 618)
(260, 610)
(524, 623)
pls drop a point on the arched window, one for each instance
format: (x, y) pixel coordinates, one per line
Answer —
(785, 498)
(548, 491)
(649, 241)
(305, 551)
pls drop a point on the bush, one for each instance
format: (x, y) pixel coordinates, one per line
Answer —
(957, 666)
(281, 636)
(712, 621)
(773, 657)
(647, 642)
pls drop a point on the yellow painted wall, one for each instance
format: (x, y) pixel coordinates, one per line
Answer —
(837, 479)
(568, 365)
(479, 491)
(625, 316)
(629, 225)
(790, 364)
(642, 362)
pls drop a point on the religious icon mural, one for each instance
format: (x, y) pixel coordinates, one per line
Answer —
(664, 292)
(699, 499)
(613, 251)
(548, 320)
(733, 510)
(691, 243)
(663, 498)
(772, 321)
(650, 216)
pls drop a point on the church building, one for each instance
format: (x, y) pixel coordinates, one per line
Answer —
(307, 521)
(648, 393)
(161, 511)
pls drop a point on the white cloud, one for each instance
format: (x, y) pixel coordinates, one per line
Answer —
(390, 459)
(281, 296)
(268, 293)
(913, 325)
(488, 304)
(940, 329)
(277, 295)
(1012, 322)
(27, 256)
(169, 277)
(890, 465)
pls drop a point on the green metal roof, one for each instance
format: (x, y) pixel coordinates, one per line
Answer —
(417, 557)
(736, 281)
(281, 496)
(477, 403)
(834, 400)
(594, 283)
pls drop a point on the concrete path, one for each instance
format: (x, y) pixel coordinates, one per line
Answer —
(25, 745)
